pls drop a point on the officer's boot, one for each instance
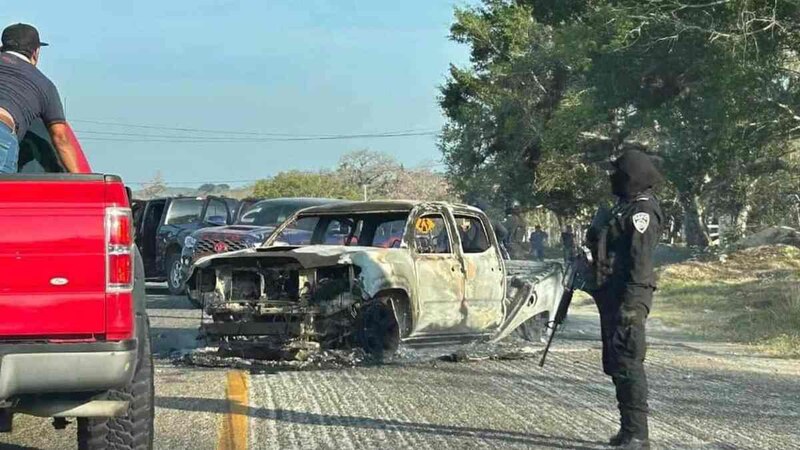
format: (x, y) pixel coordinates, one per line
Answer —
(633, 443)
(617, 439)
(623, 435)
(637, 439)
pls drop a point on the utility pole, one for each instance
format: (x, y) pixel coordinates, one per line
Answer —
(365, 191)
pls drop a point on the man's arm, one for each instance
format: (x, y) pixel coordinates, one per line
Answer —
(59, 134)
(642, 229)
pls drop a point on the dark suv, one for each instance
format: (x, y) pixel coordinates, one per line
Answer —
(251, 229)
(163, 224)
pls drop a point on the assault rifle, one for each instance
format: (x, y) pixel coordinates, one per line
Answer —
(574, 278)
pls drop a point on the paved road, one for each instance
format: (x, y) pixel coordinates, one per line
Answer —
(705, 396)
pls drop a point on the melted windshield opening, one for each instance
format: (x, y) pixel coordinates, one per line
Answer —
(383, 230)
(271, 215)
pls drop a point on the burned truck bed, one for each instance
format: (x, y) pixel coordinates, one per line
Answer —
(534, 290)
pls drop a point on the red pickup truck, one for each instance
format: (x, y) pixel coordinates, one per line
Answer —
(74, 332)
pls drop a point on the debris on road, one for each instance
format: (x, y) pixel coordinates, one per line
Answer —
(212, 357)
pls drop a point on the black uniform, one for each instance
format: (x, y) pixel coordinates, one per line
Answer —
(624, 247)
(517, 229)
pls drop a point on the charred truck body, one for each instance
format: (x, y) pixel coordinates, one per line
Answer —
(372, 274)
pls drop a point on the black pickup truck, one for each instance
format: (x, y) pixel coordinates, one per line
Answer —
(163, 224)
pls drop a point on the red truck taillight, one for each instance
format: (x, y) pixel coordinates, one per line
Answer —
(119, 273)
(119, 250)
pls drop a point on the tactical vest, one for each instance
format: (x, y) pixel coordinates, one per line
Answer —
(607, 227)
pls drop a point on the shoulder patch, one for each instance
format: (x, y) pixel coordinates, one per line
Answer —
(641, 221)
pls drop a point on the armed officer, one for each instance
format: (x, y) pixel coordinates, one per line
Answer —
(517, 229)
(623, 241)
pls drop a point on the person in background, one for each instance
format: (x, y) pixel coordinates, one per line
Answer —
(538, 240)
(517, 228)
(26, 94)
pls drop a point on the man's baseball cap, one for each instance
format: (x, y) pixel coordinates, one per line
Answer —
(21, 36)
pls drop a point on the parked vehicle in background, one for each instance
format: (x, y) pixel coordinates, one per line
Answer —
(74, 332)
(373, 274)
(252, 228)
(163, 224)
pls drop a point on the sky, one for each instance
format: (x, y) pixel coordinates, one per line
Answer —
(280, 68)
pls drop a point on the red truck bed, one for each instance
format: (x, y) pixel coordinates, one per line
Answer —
(74, 335)
(53, 257)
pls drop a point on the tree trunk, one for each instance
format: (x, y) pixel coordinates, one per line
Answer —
(696, 235)
(740, 221)
(745, 207)
(797, 218)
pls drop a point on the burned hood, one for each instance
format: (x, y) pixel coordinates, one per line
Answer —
(308, 257)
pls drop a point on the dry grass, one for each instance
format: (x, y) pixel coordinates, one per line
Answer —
(746, 265)
(753, 296)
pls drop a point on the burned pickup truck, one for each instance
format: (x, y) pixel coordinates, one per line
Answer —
(372, 274)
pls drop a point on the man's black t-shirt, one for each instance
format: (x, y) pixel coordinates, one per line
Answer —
(27, 94)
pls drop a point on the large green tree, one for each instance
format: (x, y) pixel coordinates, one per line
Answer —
(514, 112)
(708, 85)
(306, 184)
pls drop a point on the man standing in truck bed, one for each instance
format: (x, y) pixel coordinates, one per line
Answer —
(26, 95)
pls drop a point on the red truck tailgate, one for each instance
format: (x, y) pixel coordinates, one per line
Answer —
(52, 256)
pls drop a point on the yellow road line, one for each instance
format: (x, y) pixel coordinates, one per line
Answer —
(233, 430)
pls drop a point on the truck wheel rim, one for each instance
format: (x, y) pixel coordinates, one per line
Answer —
(175, 277)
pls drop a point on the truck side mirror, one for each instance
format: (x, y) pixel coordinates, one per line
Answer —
(216, 221)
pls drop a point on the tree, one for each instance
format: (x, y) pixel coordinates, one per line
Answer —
(386, 178)
(702, 78)
(207, 188)
(514, 113)
(306, 184)
(375, 170)
(210, 188)
(553, 85)
(155, 187)
(421, 184)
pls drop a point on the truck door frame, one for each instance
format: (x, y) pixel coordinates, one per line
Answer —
(439, 279)
(146, 236)
(484, 278)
